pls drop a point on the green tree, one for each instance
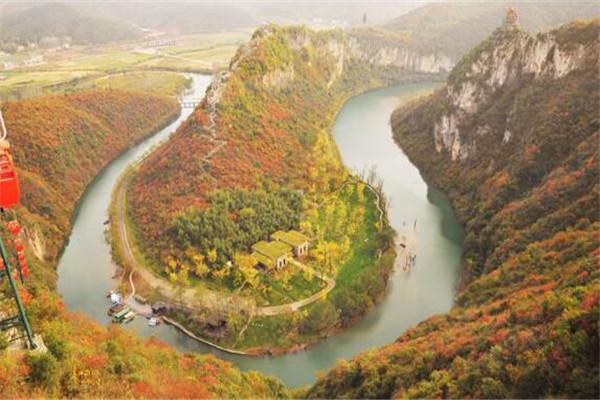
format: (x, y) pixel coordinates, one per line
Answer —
(322, 315)
(247, 266)
(43, 370)
(493, 389)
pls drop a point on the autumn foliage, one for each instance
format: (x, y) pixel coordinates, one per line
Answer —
(270, 128)
(60, 143)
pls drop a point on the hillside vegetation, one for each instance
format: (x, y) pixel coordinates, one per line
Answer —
(264, 127)
(60, 143)
(453, 28)
(513, 140)
(157, 82)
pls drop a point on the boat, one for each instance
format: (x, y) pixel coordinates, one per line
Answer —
(119, 316)
(115, 298)
(128, 317)
(152, 321)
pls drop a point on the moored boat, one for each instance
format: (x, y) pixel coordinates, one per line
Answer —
(120, 316)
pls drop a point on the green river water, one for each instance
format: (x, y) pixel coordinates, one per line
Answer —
(363, 135)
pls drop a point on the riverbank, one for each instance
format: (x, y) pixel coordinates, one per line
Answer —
(157, 288)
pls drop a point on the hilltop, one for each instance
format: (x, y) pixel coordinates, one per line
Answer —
(512, 138)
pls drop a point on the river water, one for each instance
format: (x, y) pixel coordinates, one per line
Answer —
(364, 138)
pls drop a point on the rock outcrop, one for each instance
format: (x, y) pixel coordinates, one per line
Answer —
(342, 48)
(508, 56)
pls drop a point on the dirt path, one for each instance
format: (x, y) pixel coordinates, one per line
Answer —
(294, 306)
(198, 338)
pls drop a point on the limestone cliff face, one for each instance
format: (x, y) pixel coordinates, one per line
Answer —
(400, 56)
(339, 49)
(507, 57)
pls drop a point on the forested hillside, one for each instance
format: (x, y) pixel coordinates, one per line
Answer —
(513, 140)
(59, 144)
(453, 28)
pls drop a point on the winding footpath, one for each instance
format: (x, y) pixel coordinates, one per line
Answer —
(296, 305)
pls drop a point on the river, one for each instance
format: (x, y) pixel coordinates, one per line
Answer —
(364, 138)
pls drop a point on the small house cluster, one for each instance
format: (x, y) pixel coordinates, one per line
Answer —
(11, 64)
(282, 247)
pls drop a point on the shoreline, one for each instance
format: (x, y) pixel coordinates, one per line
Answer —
(127, 260)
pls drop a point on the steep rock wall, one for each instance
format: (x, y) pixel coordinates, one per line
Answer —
(508, 56)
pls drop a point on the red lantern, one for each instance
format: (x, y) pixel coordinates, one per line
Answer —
(13, 227)
(24, 269)
(9, 184)
(18, 245)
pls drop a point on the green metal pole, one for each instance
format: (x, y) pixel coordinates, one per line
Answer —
(22, 314)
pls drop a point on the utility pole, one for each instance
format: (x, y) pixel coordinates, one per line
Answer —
(21, 318)
(9, 197)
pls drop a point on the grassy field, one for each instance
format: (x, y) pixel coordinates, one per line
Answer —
(189, 43)
(212, 58)
(103, 59)
(159, 82)
(286, 286)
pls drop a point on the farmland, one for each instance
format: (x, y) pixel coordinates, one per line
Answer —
(80, 67)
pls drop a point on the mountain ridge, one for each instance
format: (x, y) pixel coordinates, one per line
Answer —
(524, 323)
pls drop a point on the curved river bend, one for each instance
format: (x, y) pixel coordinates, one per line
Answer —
(364, 138)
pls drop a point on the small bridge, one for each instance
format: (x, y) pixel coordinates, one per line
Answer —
(189, 103)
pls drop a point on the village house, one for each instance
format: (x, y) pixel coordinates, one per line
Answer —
(297, 240)
(9, 65)
(272, 254)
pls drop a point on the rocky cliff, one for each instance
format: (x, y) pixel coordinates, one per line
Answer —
(345, 49)
(454, 28)
(385, 49)
(506, 58)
